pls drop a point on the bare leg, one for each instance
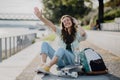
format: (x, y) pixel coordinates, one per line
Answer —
(46, 67)
(43, 58)
(53, 61)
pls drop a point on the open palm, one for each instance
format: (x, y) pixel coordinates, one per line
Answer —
(37, 12)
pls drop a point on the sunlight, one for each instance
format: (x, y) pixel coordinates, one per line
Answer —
(19, 6)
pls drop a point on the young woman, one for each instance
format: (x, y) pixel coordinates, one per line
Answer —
(70, 36)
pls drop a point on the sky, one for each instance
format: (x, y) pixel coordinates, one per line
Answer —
(19, 6)
(25, 6)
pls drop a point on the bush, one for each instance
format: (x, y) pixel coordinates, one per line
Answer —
(110, 15)
(33, 41)
(50, 37)
(87, 27)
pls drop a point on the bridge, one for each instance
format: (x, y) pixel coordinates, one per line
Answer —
(16, 16)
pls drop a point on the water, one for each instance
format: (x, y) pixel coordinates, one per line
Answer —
(14, 35)
(13, 28)
(9, 27)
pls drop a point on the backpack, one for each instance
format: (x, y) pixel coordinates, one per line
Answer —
(92, 62)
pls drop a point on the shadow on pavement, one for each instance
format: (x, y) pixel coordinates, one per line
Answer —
(82, 77)
(112, 77)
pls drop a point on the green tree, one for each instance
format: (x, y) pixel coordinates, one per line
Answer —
(54, 9)
(100, 11)
(112, 3)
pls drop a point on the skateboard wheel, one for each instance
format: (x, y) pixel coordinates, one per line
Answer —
(61, 73)
(74, 74)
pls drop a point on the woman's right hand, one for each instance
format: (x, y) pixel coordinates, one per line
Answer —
(38, 12)
(47, 22)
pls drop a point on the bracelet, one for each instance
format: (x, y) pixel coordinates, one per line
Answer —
(79, 25)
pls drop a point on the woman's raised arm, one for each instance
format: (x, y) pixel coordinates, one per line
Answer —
(47, 22)
(80, 29)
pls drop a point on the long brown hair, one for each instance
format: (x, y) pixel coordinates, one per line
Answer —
(66, 37)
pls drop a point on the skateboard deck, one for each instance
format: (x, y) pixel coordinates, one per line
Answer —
(71, 70)
(68, 71)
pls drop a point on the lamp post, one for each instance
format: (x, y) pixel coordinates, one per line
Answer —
(101, 12)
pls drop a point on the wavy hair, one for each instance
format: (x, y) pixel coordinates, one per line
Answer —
(66, 37)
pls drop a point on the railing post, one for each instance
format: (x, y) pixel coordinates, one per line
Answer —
(5, 47)
(22, 41)
(0, 50)
(118, 27)
(10, 46)
(13, 45)
(17, 43)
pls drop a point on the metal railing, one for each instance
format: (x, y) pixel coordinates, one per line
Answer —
(9, 45)
(111, 27)
(114, 26)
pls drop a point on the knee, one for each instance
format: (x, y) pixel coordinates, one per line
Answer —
(45, 44)
(59, 52)
(44, 47)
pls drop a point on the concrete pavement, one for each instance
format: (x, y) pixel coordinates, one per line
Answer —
(83, 77)
(107, 40)
(14, 66)
(108, 58)
(22, 65)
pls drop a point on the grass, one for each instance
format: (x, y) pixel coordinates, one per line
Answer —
(86, 27)
(108, 21)
(50, 37)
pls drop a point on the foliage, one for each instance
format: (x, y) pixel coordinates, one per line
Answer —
(54, 9)
(115, 12)
(109, 21)
(111, 14)
(112, 3)
(50, 37)
(87, 27)
(33, 41)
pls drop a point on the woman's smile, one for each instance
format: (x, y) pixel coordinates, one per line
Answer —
(67, 22)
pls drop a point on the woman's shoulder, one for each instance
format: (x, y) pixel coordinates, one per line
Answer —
(58, 30)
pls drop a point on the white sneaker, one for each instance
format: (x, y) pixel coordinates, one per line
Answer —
(44, 69)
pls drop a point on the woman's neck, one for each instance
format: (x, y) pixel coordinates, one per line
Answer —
(69, 30)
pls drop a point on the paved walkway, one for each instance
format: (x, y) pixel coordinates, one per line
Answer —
(106, 40)
(22, 65)
(112, 62)
(15, 65)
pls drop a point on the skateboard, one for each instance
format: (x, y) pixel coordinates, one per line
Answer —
(71, 71)
(67, 71)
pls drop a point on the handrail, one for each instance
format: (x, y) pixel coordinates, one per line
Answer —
(11, 44)
(113, 26)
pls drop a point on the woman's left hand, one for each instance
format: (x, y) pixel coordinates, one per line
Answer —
(76, 21)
